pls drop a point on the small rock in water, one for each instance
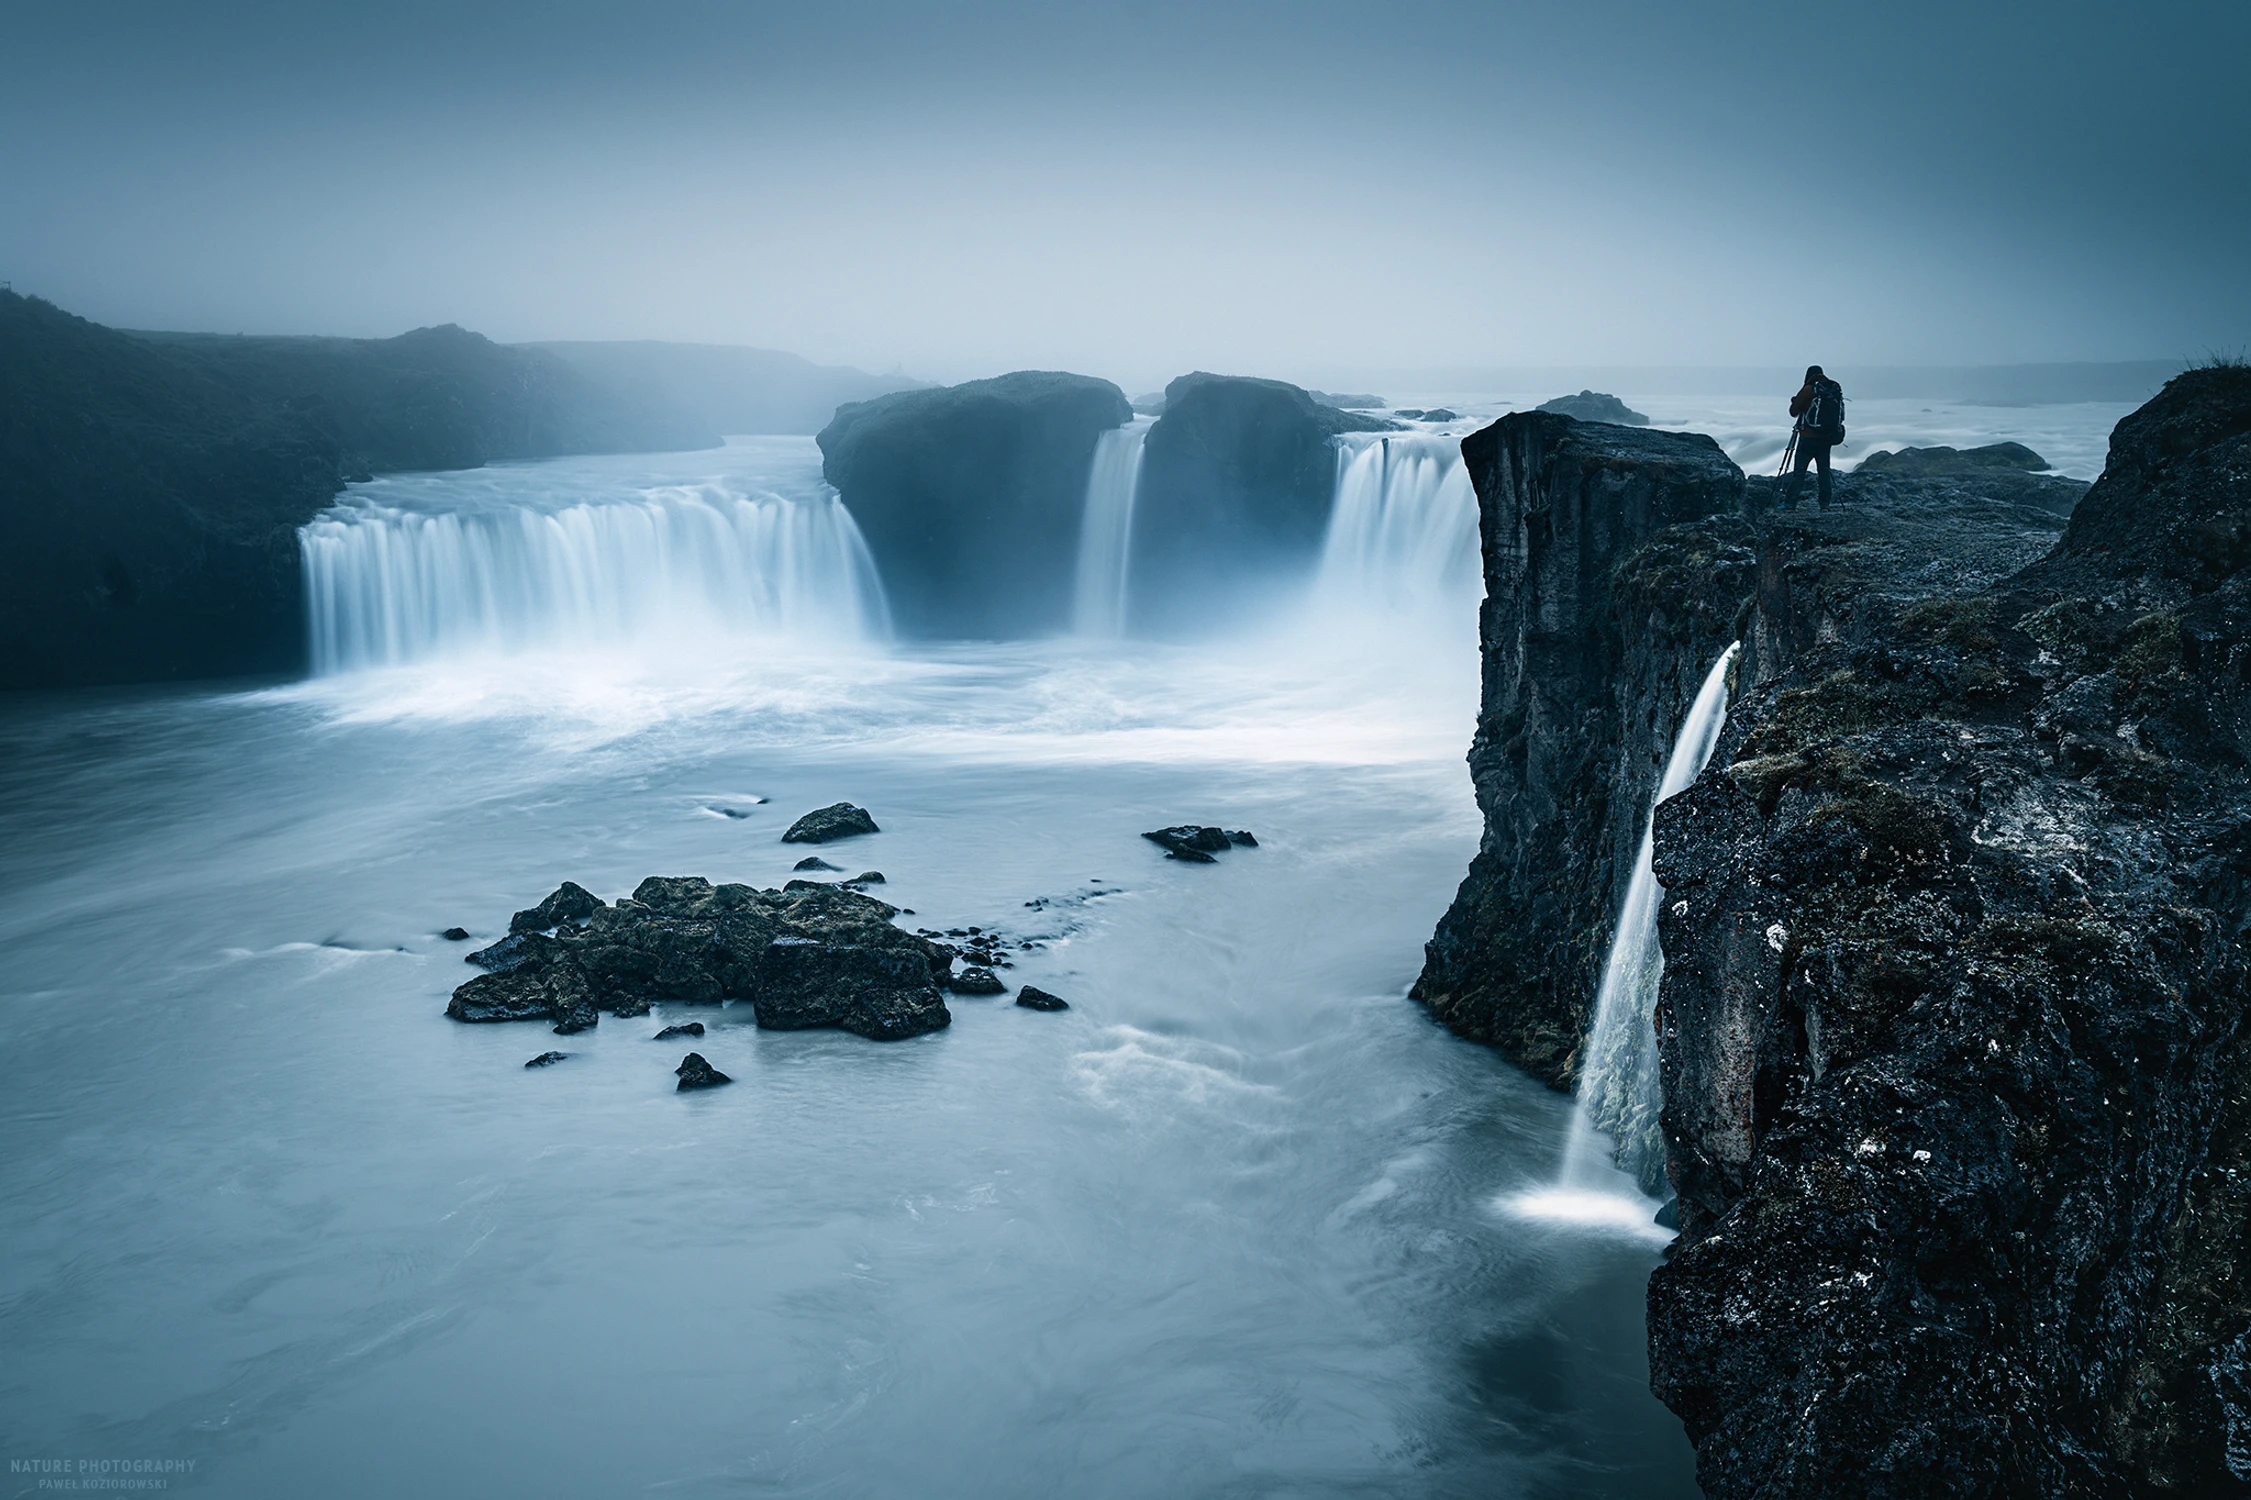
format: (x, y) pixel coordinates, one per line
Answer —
(1439, 414)
(570, 902)
(978, 981)
(691, 1028)
(1241, 837)
(725, 812)
(868, 877)
(836, 821)
(695, 1073)
(1190, 842)
(546, 1059)
(805, 885)
(1032, 997)
(814, 862)
(455, 934)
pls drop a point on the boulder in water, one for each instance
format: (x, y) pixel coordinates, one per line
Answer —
(570, 902)
(695, 1073)
(839, 820)
(1440, 414)
(1196, 844)
(978, 980)
(822, 955)
(1032, 997)
(1238, 478)
(868, 877)
(688, 1028)
(547, 1059)
(815, 862)
(1595, 406)
(455, 934)
(971, 496)
(1348, 401)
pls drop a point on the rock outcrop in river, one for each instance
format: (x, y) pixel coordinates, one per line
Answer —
(1958, 1103)
(970, 496)
(1237, 481)
(821, 955)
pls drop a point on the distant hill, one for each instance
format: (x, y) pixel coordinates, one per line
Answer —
(443, 398)
(726, 388)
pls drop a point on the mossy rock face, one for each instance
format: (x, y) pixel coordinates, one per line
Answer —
(1955, 1025)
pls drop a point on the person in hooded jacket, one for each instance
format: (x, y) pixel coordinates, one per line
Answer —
(1819, 407)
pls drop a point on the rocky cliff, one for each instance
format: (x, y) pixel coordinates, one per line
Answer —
(970, 496)
(1585, 685)
(1956, 1092)
(1237, 481)
(1951, 1025)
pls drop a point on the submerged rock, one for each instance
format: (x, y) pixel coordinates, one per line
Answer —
(455, 934)
(688, 1028)
(868, 877)
(970, 496)
(695, 1073)
(547, 1059)
(839, 820)
(978, 980)
(824, 956)
(570, 902)
(1591, 406)
(1032, 997)
(815, 862)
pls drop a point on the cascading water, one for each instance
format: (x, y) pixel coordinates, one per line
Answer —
(1106, 531)
(1403, 534)
(1614, 1116)
(387, 585)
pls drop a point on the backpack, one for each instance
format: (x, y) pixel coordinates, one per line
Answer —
(1825, 418)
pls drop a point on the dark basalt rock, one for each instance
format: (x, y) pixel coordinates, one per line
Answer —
(570, 902)
(1439, 414)
(690, 1028)
(1237, 480)
(868, 877)
(1032, 997)
(1924, 462)
(516, 948)
(1194, 844)
(1241, 838)
(815, 862)
(971, 496)
(839, 820)
(1572, 734)
(978, 980)
(455, 934)
(1593, 406)
(695, 1073)
(824, 956)
(1952, 1026)
(547, 1059)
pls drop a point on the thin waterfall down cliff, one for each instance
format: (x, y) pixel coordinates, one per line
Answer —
(1614, 1114)
(1106, 532)
(387, 585)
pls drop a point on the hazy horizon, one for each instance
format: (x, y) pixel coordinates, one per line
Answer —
(1314, 191)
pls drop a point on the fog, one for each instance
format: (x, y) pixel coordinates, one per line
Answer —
(1320, 191)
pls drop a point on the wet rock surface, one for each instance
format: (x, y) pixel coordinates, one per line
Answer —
(975, 979)
(455, 934)
(1032, 997)
(695, 1073)
(691, 1028)
(1958, 1103)
(824, 956)
(547, 1059)
(1197, 844)
(839, 820)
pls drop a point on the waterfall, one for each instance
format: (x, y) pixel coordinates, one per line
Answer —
(1615, 1113)
(1403, 533)
(387, 585)
(1106, 531)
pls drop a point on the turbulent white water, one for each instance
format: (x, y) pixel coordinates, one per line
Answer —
(1403, 535)
(541, 565)
(1615, 1113)
(1106, 532)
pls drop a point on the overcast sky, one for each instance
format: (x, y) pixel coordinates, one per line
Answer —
(1309, 190)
